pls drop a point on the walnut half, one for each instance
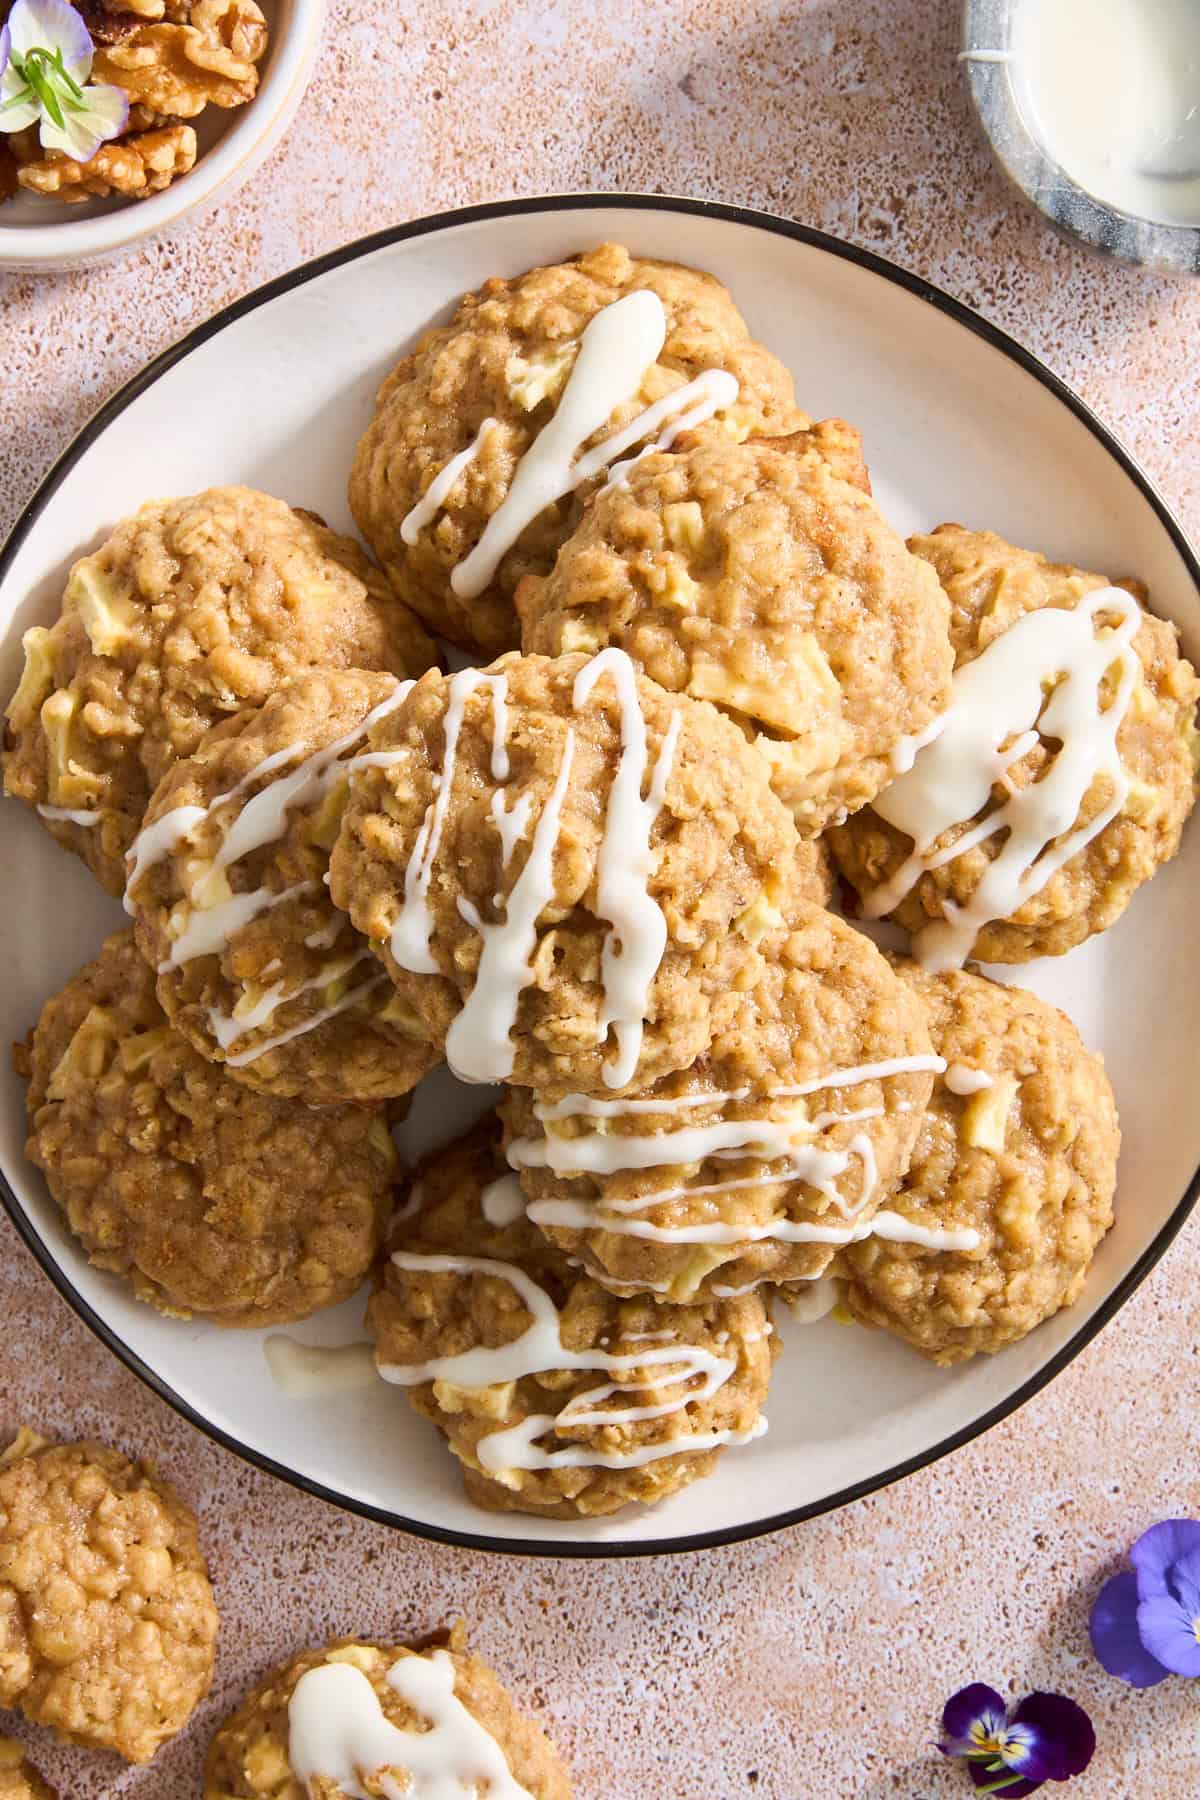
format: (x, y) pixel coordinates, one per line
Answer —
(133, 166)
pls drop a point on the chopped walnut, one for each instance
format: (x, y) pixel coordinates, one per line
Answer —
(177, 70)
(108, 24)
(237, 24)
(134, 167)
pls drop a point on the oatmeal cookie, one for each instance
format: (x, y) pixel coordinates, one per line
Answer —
(535, 1431)
(506, 356)
(761, 1159)
(107, 1620)
(192, 610)
(520, 811)
(274, 1740)
(19, 1780)
(1019, 1145)
(993, 588)
(207, 1198)
(256, 966)
(753, 576)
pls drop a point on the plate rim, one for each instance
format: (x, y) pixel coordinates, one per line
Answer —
(300, 276)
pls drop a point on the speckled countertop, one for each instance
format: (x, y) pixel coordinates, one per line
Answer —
(811, 1665)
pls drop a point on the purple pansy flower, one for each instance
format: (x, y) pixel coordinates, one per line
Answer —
(1046, 1737)
(45, 61)
(1145, 1624)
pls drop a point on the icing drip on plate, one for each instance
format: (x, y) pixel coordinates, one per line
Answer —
(338, 1732)
(999, 712)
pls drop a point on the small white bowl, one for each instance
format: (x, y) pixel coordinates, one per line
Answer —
(39, 235)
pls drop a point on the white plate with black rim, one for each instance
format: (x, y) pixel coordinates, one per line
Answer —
(959, 423)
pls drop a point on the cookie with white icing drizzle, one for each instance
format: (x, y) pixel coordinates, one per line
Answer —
(562, 867)
(775, 1148)
(763, 577)
(557, 1397)
(256, 966)
(1057, 781)
(190, 611)
(1019, 1145)
(359, 1716)
(456, 421)
(207, 1198)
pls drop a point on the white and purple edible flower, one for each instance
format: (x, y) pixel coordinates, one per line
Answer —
(45, 61)
(1145, 1624)
(1045, 1737)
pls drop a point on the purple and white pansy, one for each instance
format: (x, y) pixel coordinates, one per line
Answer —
(45, 60)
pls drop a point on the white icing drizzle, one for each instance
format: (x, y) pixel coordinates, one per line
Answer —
(905, 749)
(479, 1044)
(1000, 696)
(263, 818)
(438, 491)
(338, 1732)
(613, 1153)
(962, 1080)
(208, 931)
(577, 1106)
(620, 344)
(586, 1215)
(413, 927)
(634, 946)
(711, 390)
(327, 936)
(840, 1078)
(540, 1350)
(503, 1202)
(155, 841)
(309, 1024)
(499, 764)
(513, 825)
(227, 1029)
(71, 815)
(312, 1371)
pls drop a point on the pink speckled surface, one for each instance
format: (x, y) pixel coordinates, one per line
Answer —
(809, 1666)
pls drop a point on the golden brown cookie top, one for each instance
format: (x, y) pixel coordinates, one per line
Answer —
(507, 357)
(109, 1620)
(754, 576)
(553, 862)
(1060, 777)
(765, 1156)
(1018, 1148)
(256, 966)
(207, 1197)
(558, 1397)
(434, 1707)
(190, 611)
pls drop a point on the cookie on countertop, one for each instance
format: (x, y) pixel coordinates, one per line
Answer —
(431, 1715)
(107, 1618)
